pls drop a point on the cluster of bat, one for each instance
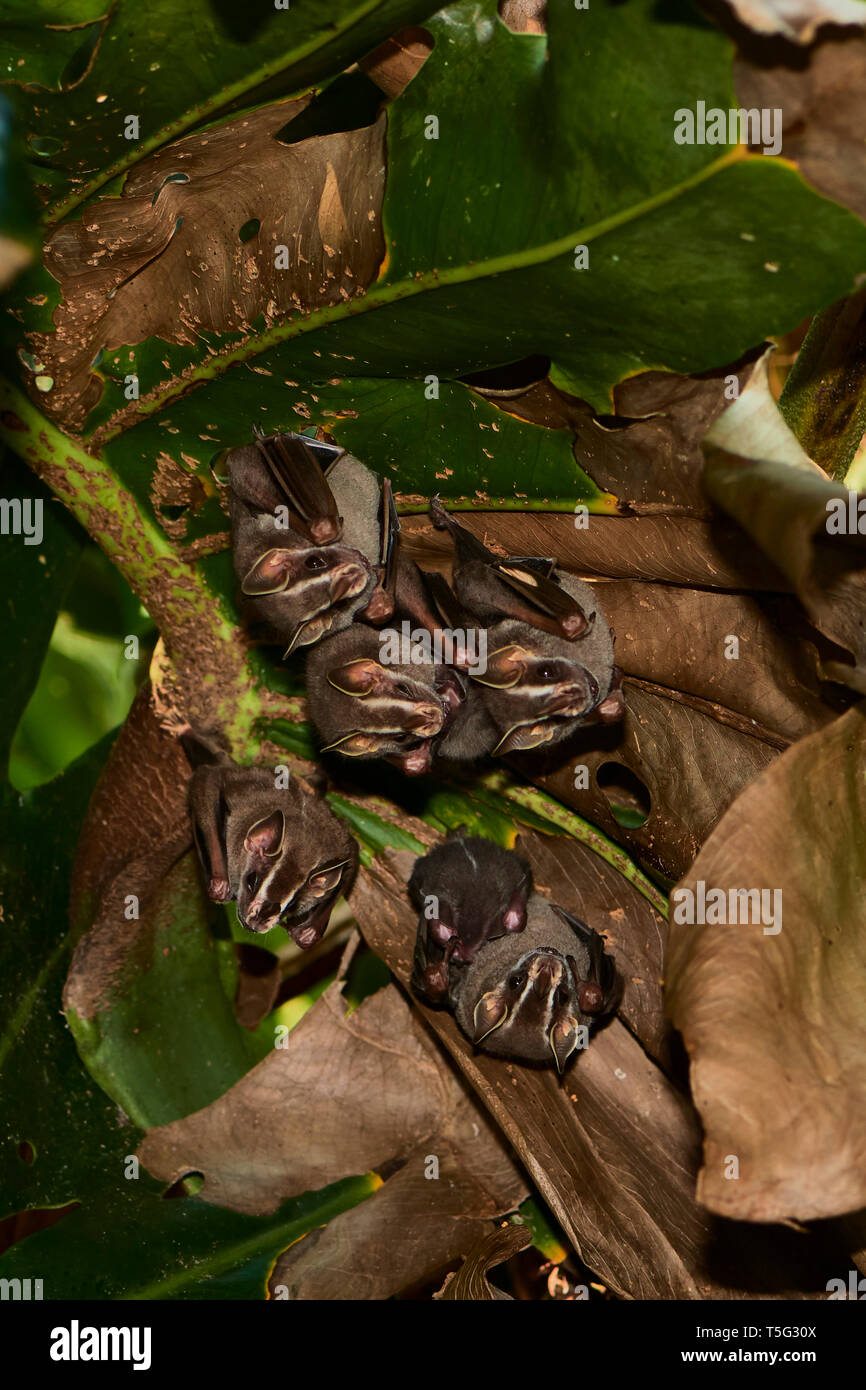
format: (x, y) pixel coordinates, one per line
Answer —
(316, 554)
(316, 550)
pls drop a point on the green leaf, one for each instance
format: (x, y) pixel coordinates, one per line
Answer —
(152, 1049)
(135, 1244)
(33, 581)
(49, 43)
(47, 1100)
(226, 53)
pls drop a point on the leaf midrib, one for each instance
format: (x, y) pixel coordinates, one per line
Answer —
(379, 296)
(197, 114)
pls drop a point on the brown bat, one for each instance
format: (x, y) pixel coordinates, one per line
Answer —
(550, 665)
(312, 549)
(279, 852)
(536, 996)
(386, 695)
(468, 891)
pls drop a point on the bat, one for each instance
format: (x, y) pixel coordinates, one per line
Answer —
(390, 695)
(279, 852)
(468, 891)
(312, 549)
(550, 666)
(537, 995)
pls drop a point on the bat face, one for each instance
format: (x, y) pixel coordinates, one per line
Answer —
(364, 709)
(304, 569)
(277, 886)
(278, 851)
(468, 891)
(535, 698)
(536, 996)
(308, 591)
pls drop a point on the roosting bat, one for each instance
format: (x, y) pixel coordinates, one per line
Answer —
(550, 662)
(375, 695)
(312, 549)
(468, 891)
(537, 995)
(278, 851)
(523, 977)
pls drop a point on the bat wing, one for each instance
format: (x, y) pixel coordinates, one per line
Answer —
(602, 968)
(295, 463)
(545, 603)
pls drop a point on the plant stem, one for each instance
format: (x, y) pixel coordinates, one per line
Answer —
(824, 400)
(207, 655)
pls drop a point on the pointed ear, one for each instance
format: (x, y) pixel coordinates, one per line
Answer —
(266, 836)
(326, 880)
(505, 667)
(269, 575)
(523, 737)
(490, 1013)
(563, 1040)
(355, 745)
(356, 677)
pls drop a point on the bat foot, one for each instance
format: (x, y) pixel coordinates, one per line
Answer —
(219, 890)
(380, 607)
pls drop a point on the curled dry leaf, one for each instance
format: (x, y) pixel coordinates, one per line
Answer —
(821, 100)
(470, 1281)
(689, 762)
(758, 472)
(613, 1149)
(775, 1024)
(796, 19)
(421, 1219)
(167, 260)
(348, 1093)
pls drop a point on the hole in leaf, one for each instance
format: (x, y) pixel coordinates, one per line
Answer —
(625, 793)
(249, 229)
(44, 145)
(26, 1152)
(169, 178)
(512, 379)
(187, 1186)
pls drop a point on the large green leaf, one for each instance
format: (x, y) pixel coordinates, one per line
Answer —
(78, 1138)
(696, 253)
(133, 1244)
(131, 66)
(33, 580)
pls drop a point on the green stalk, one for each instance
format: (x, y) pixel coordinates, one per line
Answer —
(207, 655)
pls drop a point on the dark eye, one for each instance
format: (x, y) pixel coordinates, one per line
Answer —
(546, 671)
(315, 562)
(403, 690)
(252, 882)
(517, 980)
(562, 997)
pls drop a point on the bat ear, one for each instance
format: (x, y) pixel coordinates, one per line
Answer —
(563, 1040)
(523, 737)
(490, 1013)
(354, 745)
(326, 880)
(266, 836)
(269, 575)
(356, 677)
(505, 667)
